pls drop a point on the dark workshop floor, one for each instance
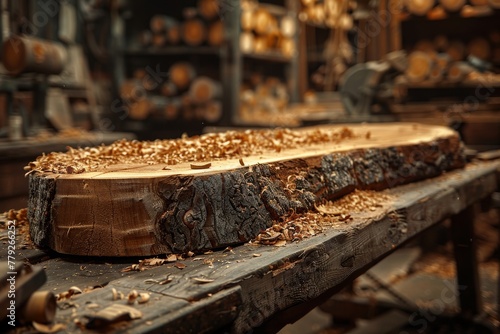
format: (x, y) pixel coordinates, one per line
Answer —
(412, 279)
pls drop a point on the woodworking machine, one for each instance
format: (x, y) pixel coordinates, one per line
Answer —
(369, 87)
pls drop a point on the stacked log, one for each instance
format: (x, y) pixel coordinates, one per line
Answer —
(181, 74)
(215, 35)
(164, 29)
(208, 9)
(330, 14)
(419, 7)
(419, 66)
(436, 68)
(458, 71)
(266, 31)
(483, 48)
(194, 32)
(198, 26)
(183, 95)
(439, 9)
(480, 48)
(263, 96)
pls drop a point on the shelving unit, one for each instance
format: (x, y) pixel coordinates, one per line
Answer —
(456, 28)
(470, 104)
(226, 64)
(216, 63)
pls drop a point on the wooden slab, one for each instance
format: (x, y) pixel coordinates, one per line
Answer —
(136, 210)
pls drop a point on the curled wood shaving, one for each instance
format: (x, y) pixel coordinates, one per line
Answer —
(74, 290)
(180, 265)
(167, 280)
(117, 295)
(51, 328)
(202, 280)
(143, 298)
(132, 297)
(198, 149)
(201, 166)
(152, 262)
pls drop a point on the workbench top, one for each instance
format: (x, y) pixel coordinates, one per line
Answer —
(247, 287)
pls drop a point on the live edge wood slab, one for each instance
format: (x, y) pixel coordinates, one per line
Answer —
(140, 210)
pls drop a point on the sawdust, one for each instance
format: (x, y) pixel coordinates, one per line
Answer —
(208, 147)
(20, 217)
(296, 227)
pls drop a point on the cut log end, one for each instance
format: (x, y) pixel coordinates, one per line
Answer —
(419, 66)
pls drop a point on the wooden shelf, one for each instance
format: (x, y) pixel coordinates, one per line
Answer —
(269, 56)
(446, 84)
(274, 9)
(463, 14)
(173, 50)
(316, 25)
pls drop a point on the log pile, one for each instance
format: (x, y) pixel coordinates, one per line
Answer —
(265, 29)
(265, 100)
(444, 60)
(201, 25)
(136, 198)
(439, 9)
(182, 95)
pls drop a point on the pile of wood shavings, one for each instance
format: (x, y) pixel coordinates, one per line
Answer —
(208, 147)
(20, 217)
(300, 226)
(154, 262)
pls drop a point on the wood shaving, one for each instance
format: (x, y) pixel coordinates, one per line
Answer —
(198, 149)
(296, 227)
(172, 258)
(180, 265)
(143, 298)
(51, 328)
(74, 290)
(201, 166)
(117, 295)
(152, 262)
(22, 226)
(132, 297)
(202, 280)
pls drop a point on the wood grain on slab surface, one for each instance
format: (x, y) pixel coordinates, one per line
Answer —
(138, 210)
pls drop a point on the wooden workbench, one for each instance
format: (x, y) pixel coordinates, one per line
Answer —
(257, 287)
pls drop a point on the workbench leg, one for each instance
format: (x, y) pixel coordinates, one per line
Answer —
(496, 205)
(464, 248)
